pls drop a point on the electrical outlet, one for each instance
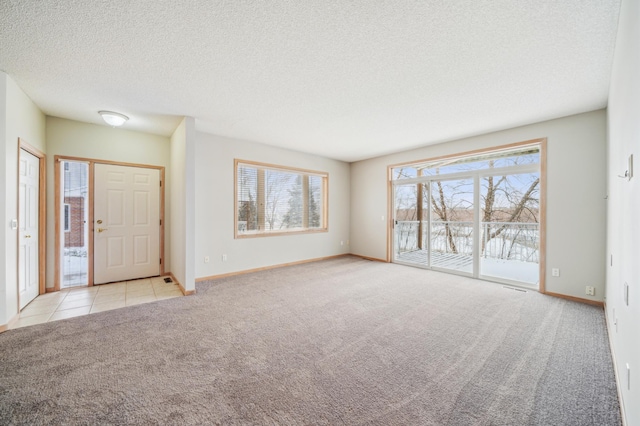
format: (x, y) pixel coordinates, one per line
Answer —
(206, 259)
(224, 257)
(341, 243)
(555, 272)
(590, 291)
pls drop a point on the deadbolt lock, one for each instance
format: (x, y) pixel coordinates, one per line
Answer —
(99, 221)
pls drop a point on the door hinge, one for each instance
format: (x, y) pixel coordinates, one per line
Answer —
(160, 222)
(161, 261)
(160, 183)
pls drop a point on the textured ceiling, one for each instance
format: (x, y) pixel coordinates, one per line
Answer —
(343, 79)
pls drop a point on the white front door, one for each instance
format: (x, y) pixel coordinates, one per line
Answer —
(126, 223)
(28, 219)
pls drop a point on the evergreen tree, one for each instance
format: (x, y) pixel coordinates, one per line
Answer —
(314, 208)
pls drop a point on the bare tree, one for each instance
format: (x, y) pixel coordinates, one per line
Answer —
(451, 203)
(276, 184)
(508, 203)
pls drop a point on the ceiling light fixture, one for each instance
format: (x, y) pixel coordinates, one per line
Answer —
(113, 118)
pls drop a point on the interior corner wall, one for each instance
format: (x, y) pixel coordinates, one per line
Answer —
(85, 140)
(623, 212)
(181, 211)
(215, 209)
(7, 301)
(575, 197)
(19, 118)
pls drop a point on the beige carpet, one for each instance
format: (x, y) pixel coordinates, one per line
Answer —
(343, 341)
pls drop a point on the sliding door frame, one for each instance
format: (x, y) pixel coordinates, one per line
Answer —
(541, 143)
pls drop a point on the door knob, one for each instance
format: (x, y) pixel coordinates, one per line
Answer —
(102, 229)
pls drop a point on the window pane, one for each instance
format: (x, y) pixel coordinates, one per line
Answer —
(491, 160)
(284, 200)
(315, 202)
(247, 199)
(510, 216)
(272, 200)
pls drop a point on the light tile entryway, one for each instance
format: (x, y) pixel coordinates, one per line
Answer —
(75, 302)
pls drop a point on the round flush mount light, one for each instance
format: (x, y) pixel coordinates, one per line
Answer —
(114, 119)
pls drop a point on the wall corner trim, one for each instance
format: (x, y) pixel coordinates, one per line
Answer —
(9, 325)
(184, 291)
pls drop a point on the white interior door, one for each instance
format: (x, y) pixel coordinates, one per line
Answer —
(126, 223)
(28, 219)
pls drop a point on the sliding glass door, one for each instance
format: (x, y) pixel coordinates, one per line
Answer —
(433, 224)
(452, 236)
(410, 223)
(477, 216)
(510, 227)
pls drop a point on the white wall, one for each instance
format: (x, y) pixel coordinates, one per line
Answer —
(623, 214)
(575, 183)
(76, 139)
(181, 211)
(215, 210)
(19, 118)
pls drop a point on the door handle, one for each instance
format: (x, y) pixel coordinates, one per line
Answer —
(102, 229)
(27, 236)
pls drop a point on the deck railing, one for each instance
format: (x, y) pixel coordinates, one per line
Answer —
(499, 240)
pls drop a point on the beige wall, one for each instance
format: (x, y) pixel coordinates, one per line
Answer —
(576, 183)
(623, 214)
(19, 118)
(76, 139)
(181, 210)
(215, 210)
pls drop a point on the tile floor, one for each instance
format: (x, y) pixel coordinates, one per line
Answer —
(73, 302)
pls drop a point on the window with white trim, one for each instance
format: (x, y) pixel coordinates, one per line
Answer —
(279, 200)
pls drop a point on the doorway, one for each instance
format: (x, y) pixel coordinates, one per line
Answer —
(127, 223)
(31, 223)
(110, 218)
(479, 215)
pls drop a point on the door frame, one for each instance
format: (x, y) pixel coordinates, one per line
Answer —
(58, 200)
(540, 142)
(42, 216)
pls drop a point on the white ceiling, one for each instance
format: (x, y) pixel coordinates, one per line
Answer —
(346, 79)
